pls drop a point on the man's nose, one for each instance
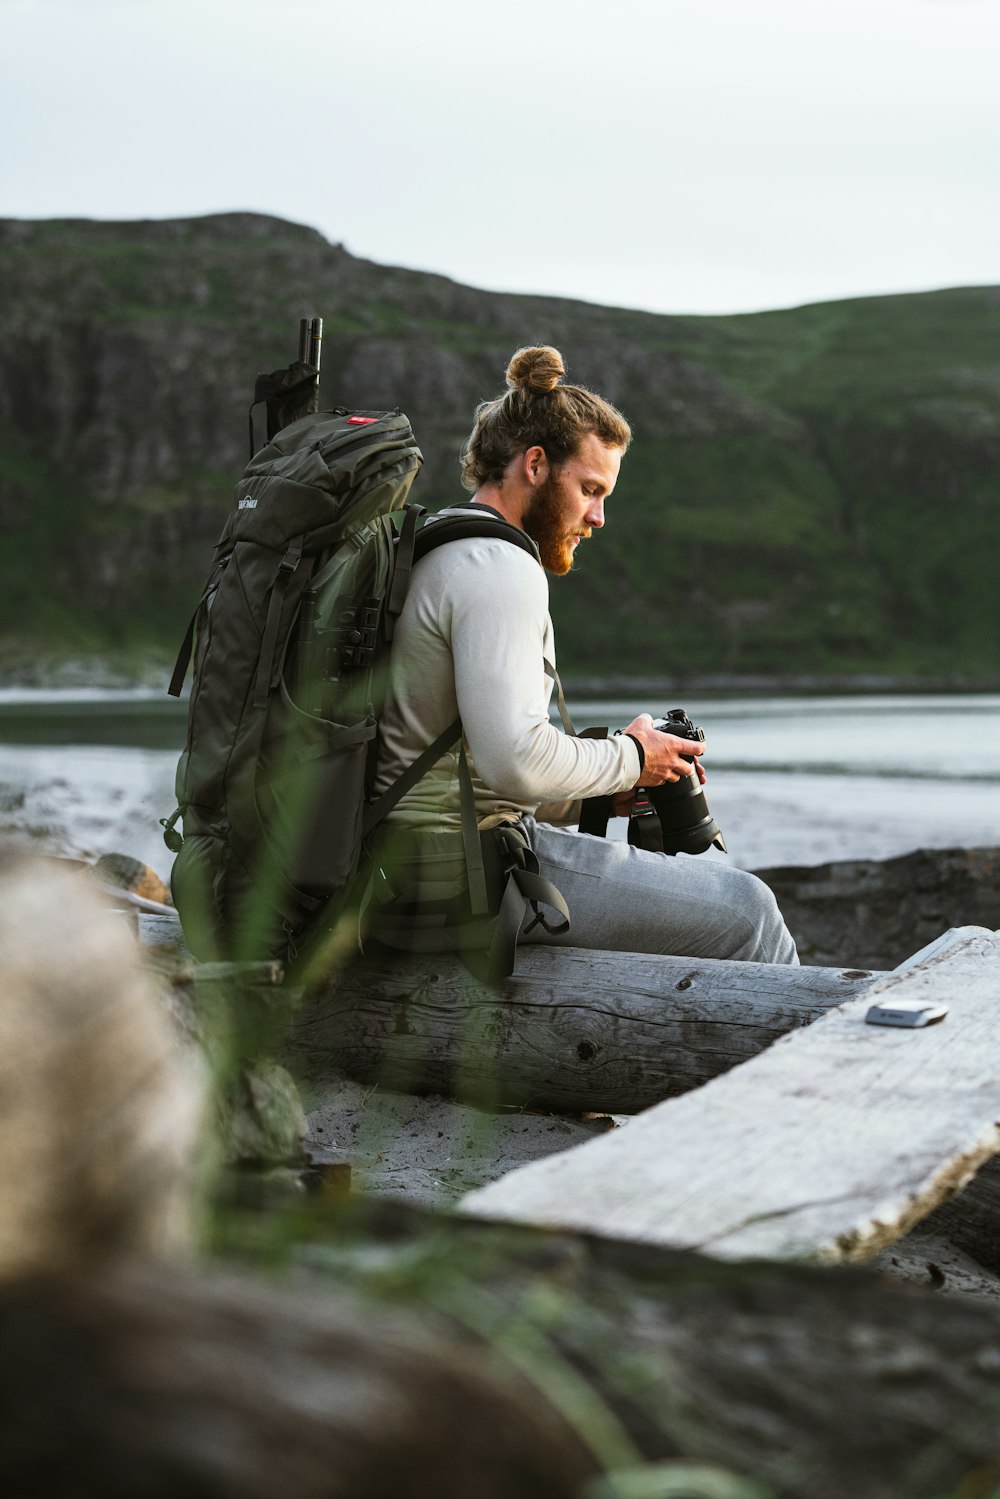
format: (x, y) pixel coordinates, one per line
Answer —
(595, 514)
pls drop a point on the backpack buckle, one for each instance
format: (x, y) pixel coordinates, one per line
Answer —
(360, 636)
(171, 837)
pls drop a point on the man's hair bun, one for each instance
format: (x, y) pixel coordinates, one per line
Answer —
(536, 370)
(537, 410)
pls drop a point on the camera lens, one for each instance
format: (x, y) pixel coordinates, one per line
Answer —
(686, 824)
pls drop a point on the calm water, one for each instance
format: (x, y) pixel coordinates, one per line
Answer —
(791, 780)
(801, 780)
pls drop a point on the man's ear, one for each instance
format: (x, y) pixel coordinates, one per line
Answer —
(535, 466)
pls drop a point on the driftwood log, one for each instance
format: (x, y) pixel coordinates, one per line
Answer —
(574, 1030)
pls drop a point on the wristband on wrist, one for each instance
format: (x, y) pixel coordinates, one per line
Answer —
(642, 752)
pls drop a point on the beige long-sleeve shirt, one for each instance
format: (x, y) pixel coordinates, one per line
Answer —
(471, 643)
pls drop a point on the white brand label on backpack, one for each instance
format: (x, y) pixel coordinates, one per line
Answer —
(247, 503)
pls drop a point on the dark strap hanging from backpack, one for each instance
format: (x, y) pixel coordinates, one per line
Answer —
(184, 654)
(523, 886)
(187, 644)
(380, 808)
(266, 677)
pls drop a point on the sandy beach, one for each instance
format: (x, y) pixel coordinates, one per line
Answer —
(432, 1150)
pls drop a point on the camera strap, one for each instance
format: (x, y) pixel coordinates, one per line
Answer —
(595, 811)
(644, 828)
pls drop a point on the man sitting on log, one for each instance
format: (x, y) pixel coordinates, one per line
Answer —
(475, 642)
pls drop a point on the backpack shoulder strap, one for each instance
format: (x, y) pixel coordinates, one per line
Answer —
(476, 520)
(415, 541)
(377, 810)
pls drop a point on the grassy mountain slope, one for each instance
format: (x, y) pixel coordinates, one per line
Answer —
(809, 491)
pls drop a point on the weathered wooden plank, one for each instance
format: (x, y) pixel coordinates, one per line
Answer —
(831, 1144)
(953, 937)
(574, 1029)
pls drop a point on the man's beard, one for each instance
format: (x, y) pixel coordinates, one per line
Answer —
(545, 523)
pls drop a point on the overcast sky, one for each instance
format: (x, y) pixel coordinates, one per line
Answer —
(719, 156)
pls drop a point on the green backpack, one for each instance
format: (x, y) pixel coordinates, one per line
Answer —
(291, 640)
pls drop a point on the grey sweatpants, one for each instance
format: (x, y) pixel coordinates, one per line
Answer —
(627, 900)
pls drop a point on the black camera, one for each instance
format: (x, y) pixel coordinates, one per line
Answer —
(674, 818)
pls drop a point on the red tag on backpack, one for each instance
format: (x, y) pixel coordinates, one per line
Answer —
(361, 421)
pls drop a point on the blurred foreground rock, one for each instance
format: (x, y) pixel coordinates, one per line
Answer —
(873, 913)
(138, 1378)
(100, 1103)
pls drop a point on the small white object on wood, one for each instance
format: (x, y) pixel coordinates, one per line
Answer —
(829, 1145)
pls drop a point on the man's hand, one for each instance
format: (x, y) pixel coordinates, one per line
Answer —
(622, 803)
(664, 753)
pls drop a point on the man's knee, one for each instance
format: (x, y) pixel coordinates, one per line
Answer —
(768, 939)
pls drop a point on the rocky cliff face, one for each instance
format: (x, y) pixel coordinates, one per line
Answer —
(763, 521)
